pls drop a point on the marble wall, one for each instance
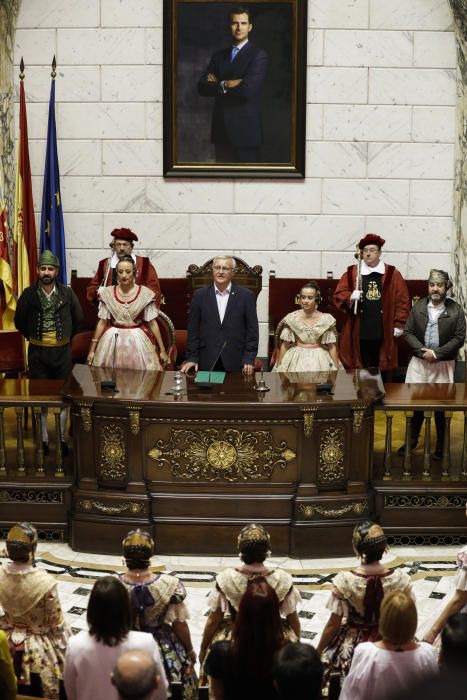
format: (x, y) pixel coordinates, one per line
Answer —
(381, 141)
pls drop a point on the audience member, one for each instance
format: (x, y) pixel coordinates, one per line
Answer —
(242, 667)
(454, 644)
(135, 676)
(158, 607)
(91, 654)
(380, 668)
(254, 546)
(356, 598)
(298, 672)
(7, 671)
(32, 619)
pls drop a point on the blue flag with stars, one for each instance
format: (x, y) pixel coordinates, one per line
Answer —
(52, 229)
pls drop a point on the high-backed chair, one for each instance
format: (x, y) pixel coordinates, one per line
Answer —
(246, 276)
(12, 357)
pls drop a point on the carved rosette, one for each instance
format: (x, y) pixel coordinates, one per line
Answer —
(132, 507)
(215, 454)
(331, 455)
(112, 453)
(311, 511)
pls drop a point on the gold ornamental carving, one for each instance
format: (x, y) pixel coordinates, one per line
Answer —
(85, 410)
(331, 455)
(112, 452)
(214, 454)
(309, 413)
(134, 422)
(358, 411)
(357, 507)
(110, 509)
(422, 501)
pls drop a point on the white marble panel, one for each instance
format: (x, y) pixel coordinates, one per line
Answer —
(434, 124)
(101, 46)
(262, 306)
(294, 263)
(413, 160)
(337, 263)
(337, 85)
(314, 122)
(37, 117)
(72, 84)
(174, 263)
(366, 197)
(412, 86)
(263, 343)
(154, 46)
(153, 120)
(37, 182)
(74, 157)
(422, 263)
(143, 13)
(368, 48)
(132, 157)
(131, 83)
(84, 231)
(36, 46)
(338, 14)
(367, 123)
(101, 120)
(155, 231)
(431, 197)
(287, 197)
(103, 194)
(84, 260)
(185, 196)
(413, 233)
(434, 50)
(333, 159)
(416, 14)
(246, 232)
(315, 47)
(301, 232)
(56, 13)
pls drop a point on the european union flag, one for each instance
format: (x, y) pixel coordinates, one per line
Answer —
(52, 228)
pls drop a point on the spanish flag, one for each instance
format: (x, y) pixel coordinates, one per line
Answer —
(24, 238)
(7, 300)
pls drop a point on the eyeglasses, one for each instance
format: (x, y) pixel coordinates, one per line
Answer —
(220, 268)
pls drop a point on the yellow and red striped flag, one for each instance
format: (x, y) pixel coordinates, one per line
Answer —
(7, 300)
(24, 238)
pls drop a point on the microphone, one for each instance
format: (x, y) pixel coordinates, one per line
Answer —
(111, 385)
(208, 385)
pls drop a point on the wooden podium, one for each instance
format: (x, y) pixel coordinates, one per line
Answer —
(194, 468)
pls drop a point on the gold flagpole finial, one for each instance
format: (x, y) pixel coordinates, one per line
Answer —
(54, 65)
(21, 69)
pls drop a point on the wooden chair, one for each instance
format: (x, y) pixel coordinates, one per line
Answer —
(277, 343)
(246, 276)
(12, 357)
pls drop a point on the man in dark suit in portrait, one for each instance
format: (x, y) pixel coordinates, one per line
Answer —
(235, 77)
(223, 325)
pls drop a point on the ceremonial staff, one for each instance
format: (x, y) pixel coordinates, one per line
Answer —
(358, 255)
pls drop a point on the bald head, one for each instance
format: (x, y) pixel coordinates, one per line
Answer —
(135, 675)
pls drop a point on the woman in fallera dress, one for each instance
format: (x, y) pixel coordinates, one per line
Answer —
(158, 607)
(127, 324)
(309, 337)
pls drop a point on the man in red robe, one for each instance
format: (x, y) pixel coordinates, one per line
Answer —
(122, 244)
(368, 338)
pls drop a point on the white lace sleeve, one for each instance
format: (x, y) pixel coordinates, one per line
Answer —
(103, 312)
(291, 603)
(287, 335)
(150, 311)
(217, 600)
(337, 605)
(177, 612)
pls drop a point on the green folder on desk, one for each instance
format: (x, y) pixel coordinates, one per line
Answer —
(210, 378)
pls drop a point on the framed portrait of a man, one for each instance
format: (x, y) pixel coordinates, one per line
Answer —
(234, 88)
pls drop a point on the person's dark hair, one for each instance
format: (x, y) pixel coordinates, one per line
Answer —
(138, 547)
(369, 541)
(313, 285)
(253, 543)
(128, 259)
(109, 615)
(240, 10)
(298, 672)
(257, 632)
(454, 643)
(21, 542)
(252, 552)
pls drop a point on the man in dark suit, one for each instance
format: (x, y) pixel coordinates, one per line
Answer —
(223, 324)
(235, 77)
